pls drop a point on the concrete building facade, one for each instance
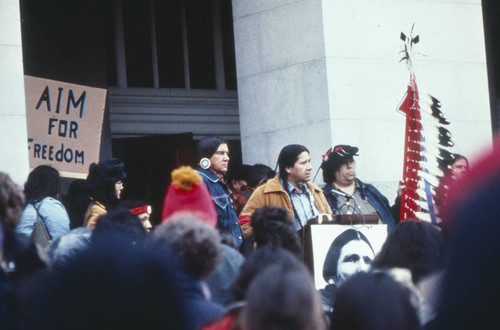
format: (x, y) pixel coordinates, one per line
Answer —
(313, 72)
(322, 73)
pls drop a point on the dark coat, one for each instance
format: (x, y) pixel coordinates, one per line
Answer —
(200, 311)
(372, 195)
(221, 280)
(227, 219)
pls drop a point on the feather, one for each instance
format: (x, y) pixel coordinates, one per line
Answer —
(432, 134)
(434, 181)
(426, 140)
(435, 163)
(444, 132)
(427, 115)
(430, 105)
(433, 151)
(421, 192)
(424, 216)
(432, 169)
(439, 134)
(420, 204)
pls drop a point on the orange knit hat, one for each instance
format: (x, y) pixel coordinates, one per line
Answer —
(188, 193)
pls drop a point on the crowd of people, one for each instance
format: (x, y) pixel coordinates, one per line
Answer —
(229, 252)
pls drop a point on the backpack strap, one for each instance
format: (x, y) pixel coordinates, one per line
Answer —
(39, 216)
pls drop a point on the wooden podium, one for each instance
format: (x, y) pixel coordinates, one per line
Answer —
(344, 219)
(324, 219)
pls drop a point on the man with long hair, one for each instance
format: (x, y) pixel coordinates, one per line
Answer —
(290, 189)
(212, 154)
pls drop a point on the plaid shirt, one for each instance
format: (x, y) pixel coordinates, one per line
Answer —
(241, 198)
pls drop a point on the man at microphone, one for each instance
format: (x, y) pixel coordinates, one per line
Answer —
(291, 189)
(345, 193)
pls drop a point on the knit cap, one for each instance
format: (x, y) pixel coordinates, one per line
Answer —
(188, 193)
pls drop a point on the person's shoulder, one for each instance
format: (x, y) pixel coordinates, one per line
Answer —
(246, 192)
(272, 185)
(50, 202)
(50, 206)
(96, 208)
(257, 193)
(233, 255)
(207, 176)
(369, 188)
(29, 208)
(366, 186)
(314, 187)
(27, 216)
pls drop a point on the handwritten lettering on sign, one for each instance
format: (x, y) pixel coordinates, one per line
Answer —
(64, 124)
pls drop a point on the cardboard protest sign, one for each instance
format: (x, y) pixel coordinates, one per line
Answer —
(64, 124)
(324, 236)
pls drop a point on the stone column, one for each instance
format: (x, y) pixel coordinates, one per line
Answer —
(282, 78)
(13, 138)
(324, 72)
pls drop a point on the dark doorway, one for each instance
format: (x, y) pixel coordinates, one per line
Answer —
(149, 160)
(148, 163)
(67, 40)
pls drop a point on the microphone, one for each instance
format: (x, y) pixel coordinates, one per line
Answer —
(338, 192)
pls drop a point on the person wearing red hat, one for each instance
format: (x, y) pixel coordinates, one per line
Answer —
(140, 209)
(188, 193)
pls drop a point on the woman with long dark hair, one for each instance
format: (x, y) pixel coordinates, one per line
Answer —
(41, 191)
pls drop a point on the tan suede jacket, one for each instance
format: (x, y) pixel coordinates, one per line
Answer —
(273, 194)
(94, 211)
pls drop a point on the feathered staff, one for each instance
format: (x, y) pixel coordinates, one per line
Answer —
(425, 156)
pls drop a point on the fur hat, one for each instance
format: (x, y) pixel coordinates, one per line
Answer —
(188, 193)
(105, 172)
(334, 158)
(339, 154)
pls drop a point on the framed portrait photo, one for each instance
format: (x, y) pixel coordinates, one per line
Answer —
(338, 251)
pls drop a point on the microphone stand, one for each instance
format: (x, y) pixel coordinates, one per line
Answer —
(355, 207)
(348, 204)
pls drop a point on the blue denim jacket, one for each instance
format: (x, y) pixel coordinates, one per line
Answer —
(372, 195)
(53, 214)
(227, 219)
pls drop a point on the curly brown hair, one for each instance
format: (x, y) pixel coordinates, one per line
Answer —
(11, 201)
(194, 243)
(43, 181)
